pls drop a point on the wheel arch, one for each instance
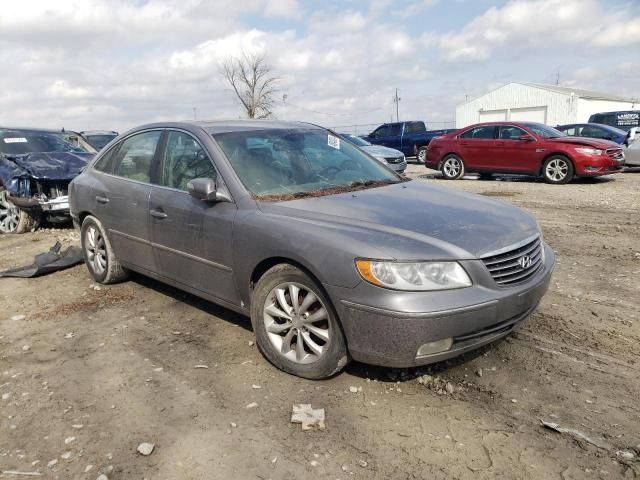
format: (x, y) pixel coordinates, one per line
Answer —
(556, 154)
(266, 264)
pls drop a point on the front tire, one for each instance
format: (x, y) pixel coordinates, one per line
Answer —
(452, 167)
(16, 220)
(557, 170)
(295, 325)
(99, 257)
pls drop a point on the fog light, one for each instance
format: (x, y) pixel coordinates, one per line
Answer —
(591, 169)
(435, 347)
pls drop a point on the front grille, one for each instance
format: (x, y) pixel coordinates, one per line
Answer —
(506, 268)
(394, 159)
(616, 154)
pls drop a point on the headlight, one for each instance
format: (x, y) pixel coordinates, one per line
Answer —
(380, 159)
(423, 276)
(588, 151)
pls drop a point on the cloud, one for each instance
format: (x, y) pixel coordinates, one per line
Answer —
(532, 25)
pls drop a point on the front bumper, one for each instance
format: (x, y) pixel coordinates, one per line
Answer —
(55, 205)
(385, 327)
(593, 166)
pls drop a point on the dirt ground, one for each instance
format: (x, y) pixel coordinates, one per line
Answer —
(90, 373)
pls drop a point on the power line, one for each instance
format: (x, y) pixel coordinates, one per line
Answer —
(331, 114)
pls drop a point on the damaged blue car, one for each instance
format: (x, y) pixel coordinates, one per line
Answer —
(36, 167)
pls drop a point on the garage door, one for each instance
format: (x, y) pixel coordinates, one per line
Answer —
(533, 114)
(493, 115)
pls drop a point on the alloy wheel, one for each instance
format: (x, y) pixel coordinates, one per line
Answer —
(452, 167)
(557, 169)
(96, 250)
(297, 323)
(9, 215)
(422, 155)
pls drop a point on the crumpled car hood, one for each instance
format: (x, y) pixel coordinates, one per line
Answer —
(52, 166)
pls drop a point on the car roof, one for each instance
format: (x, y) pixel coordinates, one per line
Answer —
(98, 132)
(40, 130)
(226, 126)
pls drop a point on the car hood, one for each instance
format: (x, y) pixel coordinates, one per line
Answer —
(380, 151)
(590, 142)
(414, 220)
(52, 166)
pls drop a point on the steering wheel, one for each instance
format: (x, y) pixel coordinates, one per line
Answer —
(326, 171)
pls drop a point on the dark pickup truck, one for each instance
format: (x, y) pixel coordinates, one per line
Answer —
(411, 138)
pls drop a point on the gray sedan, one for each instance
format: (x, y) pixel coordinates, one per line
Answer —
(331, 254)
(392, 158)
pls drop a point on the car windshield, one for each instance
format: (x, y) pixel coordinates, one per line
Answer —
(544, 131)
(360, 142)
(99, 141)
(283, 164)
(21, 142)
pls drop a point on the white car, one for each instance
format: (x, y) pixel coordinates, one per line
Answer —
(392, 158)
(632, 150)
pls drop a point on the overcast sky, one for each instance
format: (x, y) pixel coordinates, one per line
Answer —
(114, 64)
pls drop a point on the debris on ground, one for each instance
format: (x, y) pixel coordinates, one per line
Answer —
(17, 318)
(437, 384)
(24, 474)
(201, 366)
(145, 448)
(310, 418)
(252, 405)
(597, 442)
(48, 262)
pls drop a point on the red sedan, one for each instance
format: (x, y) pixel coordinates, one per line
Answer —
(522, 148)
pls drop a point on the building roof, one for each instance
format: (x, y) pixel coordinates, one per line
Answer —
(579, 92)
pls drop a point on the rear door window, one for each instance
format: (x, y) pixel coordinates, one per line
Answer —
(183, 160)
(414, 127)
(135, 156)
(484, 132)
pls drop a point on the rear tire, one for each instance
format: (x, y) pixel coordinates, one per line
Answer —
(557, 170)
(15, 220)
(421, 155)
(452, 167)
(98, 254)
(283, 307)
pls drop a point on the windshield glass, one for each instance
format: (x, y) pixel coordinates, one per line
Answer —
(99, 141)
(21, 142)
(281, 164)
(544, 131)
(361, 142)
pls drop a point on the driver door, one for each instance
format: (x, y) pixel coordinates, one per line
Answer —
(192, 238)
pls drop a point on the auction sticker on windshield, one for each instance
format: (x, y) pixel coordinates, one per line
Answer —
(15, 140)
(333, 141)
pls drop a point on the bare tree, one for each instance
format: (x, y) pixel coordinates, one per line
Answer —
(253, 82)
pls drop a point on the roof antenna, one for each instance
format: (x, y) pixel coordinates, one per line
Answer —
(62, 130)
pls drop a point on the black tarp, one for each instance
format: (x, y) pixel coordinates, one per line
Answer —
(49, 262)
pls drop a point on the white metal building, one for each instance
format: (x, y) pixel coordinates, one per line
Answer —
(535, 102)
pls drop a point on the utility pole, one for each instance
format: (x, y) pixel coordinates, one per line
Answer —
(284, 105)
(396, 100)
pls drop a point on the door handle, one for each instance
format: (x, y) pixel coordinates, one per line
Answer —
(158, 214)
(101, 199)
(500, 144)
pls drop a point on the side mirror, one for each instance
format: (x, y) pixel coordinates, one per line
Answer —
(205, 189)
(525, 138)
